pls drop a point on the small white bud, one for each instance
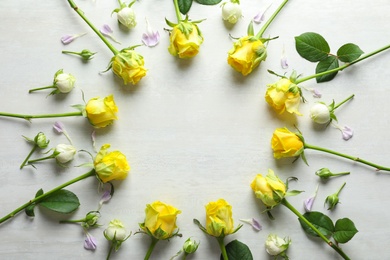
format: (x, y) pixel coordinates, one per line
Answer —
(126, 16)
(320, 113)
(64, 82)
(65, 153)
(231, 12)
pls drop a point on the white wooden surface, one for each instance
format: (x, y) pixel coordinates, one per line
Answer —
(193, 130)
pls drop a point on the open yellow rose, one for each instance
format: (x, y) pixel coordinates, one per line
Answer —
(285, 143)
(219, 220)
(160, 220)
(284, 96)
(128, 65)
(101, 111)
(111, 165)
(185, 40)
(269, 189)
(246, 54)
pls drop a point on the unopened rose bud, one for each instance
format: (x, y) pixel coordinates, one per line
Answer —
(64, 82)
(64, 153)
(41, 141)
(190, 246)
(115, 231)
(320, 113)
(231, 11)
(126, 16)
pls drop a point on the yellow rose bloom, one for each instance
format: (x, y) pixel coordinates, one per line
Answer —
(101, 112)
(185, 40)
(110, 165)
(285, 143)
(269, 189)
(246, 54)
(219, 220)
(160, 220)
(283, 96)
(128, 65)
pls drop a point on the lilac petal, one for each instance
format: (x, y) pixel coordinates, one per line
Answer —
(150, 38)
(283, 60)
(108, 32)
(260, 16)
(308, 204)
(316, 93)
(90, 243)
(58, 127)
(93, 137)
(253, 222)
(66, 39)
(347, 133)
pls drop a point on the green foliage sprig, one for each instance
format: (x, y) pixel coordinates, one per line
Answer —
(185, 5)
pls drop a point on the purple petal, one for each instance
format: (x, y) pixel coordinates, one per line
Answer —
(316, 93)
(150, 38)
(106, 30)
(347, 133)
(260, 16)
(256, 225)
(308, 204)
(66, 39)
(58, 127)
(90, 243)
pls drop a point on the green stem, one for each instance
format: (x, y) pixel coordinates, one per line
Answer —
(110, 251)
(72, 52)
(151, 248)
(101, 36)
(265, 26)
(185, 256)
(301, 217)
(36, 89)
(73, 221)
(222, 247)
(342, 186)
(41, 159)
(28, 117)
(339, 104)
(342, 67)
(45, 195)
(177, 10)
(357, 159)
(28, 156)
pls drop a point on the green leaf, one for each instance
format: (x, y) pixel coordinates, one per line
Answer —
(237, 250)
(208, 2)
(312, 46)
(344, 230)
(62, 201)
(328, 64)
(184, 6)
(29, 210)
(349, 52)
(320, 221)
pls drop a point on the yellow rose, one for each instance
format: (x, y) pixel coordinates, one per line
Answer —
(101, 112)
(185, 40)
(160, 220)
(246, 54)
(111, 165)
(284, 96)
(129, 66)
(286, 144)
(269, 189)
(219, 221)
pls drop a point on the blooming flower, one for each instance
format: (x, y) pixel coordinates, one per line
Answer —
(246, 54)
(90, 242)
(219, 220)
(160, 220)
(185, 40)
(269, 189)
(284, 96)
(285, 143)
(101, 111)
(231, 11)
(128, 65)
(277, 246)
(108, 32)
(110, 165)
(150, 38)
(66, 39)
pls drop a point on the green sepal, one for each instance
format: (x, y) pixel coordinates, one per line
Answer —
(81, 108)
(312, 46)
(200, 226)
(329, 63)
(251, 31)
(320, 221)
(237, 250)
(30, 209)
(184, 6)
(169, 23)
(349, 52)
(60, 71)
(208, 2)
(131, 3)
(344, 230)
(278, 75)
(62, 201)
(293, 193)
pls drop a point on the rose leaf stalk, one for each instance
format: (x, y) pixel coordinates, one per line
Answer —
(301, 217)
(46, 194)
(353, 158)
(101, 36)
(265, 26)
(342, 67)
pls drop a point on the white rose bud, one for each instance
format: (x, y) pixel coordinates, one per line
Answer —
(126, 16)
(231, 12)
(65, 153)
(275, 245)
(64, 82)
(115, 231)
(320, 113)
